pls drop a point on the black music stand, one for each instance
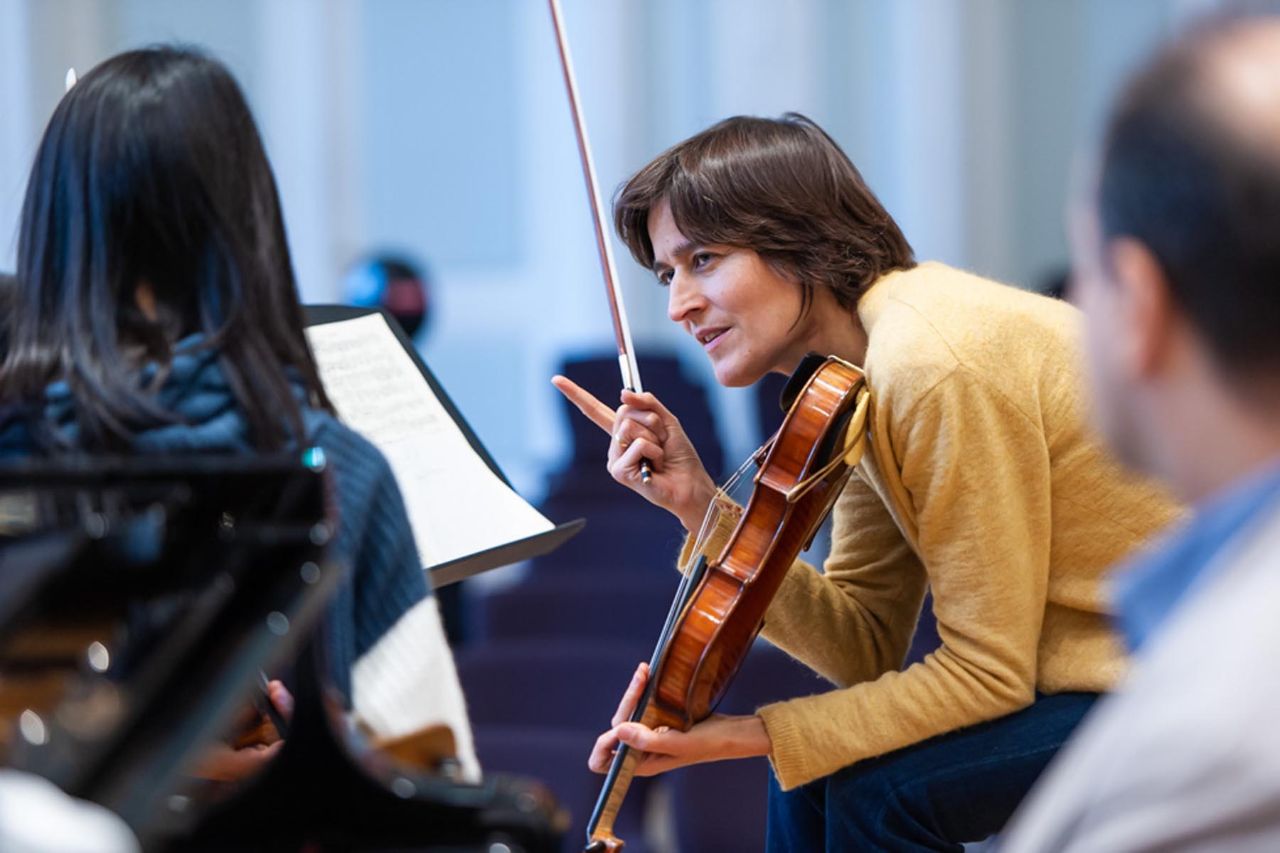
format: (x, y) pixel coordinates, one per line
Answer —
(502, 553)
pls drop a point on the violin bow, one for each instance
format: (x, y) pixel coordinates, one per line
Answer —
(621, 330)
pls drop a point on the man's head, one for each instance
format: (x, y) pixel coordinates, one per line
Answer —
(1178, 264)
(781, 187)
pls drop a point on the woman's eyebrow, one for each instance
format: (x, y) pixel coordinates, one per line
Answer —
(678, 252)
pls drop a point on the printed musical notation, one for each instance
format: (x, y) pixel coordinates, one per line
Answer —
(456, 504)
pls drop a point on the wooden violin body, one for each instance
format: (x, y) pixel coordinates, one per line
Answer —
(726, 611)
(710, 631)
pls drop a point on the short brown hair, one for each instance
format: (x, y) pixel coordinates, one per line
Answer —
(781, 187)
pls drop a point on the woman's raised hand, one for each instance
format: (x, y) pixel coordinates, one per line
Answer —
(643, 429)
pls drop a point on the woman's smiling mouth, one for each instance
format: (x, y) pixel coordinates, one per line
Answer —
(708, 337)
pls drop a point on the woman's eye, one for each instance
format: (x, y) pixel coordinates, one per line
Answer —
(664, 278)
(701, 259)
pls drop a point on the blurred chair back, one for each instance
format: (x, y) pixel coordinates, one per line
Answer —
(623, 530)
(662, 376)
(722, 805)
(583, 606)
(537, 708)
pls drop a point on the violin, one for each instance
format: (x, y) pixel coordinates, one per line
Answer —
(720, 605)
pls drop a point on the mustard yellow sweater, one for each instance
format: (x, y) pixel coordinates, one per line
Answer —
(981, 482)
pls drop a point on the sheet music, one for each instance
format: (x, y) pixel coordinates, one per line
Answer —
(456, 504)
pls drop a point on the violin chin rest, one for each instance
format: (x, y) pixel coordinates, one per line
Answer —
(795, 383)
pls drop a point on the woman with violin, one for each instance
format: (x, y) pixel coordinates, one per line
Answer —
(980, 482)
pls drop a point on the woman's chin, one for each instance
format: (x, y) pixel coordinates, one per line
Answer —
(735, 376)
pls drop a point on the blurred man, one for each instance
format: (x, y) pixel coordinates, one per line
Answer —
(1178, 272)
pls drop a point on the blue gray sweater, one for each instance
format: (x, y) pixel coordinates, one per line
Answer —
(373, 539)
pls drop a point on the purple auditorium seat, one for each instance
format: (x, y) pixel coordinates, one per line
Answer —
(629, 607)
(556, 683)
(537, 706)
(558, 757)
(662, 376)
(769, 675)
(623, 532)
(926, 637)
(722, 805)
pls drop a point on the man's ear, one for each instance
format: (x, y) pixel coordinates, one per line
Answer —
(1145, 303)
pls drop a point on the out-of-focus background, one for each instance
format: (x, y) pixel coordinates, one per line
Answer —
(435, 137)
(439, 129)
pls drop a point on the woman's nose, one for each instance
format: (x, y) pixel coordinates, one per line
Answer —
(684, 298)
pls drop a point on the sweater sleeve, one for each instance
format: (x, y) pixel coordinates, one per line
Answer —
(864, 605)
(389, 579)
(976, 469)
(375, 542)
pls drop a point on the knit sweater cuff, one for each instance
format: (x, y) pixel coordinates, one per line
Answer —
(787, 750)
(722, 521)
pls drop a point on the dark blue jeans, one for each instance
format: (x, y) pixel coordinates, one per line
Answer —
(934, 795)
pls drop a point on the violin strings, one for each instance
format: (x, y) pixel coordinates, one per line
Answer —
(689, 579)
(713, 509)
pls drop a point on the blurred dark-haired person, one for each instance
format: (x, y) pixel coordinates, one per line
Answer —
(395, 283)
(1178, 272)
(156, 312)
(980, 482)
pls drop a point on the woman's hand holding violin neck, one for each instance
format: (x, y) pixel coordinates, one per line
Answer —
(642, 429)
(716, 738)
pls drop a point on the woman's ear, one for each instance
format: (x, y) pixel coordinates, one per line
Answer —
(144, 296)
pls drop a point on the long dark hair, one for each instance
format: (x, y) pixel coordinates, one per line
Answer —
(781, 187)
(152, 172)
